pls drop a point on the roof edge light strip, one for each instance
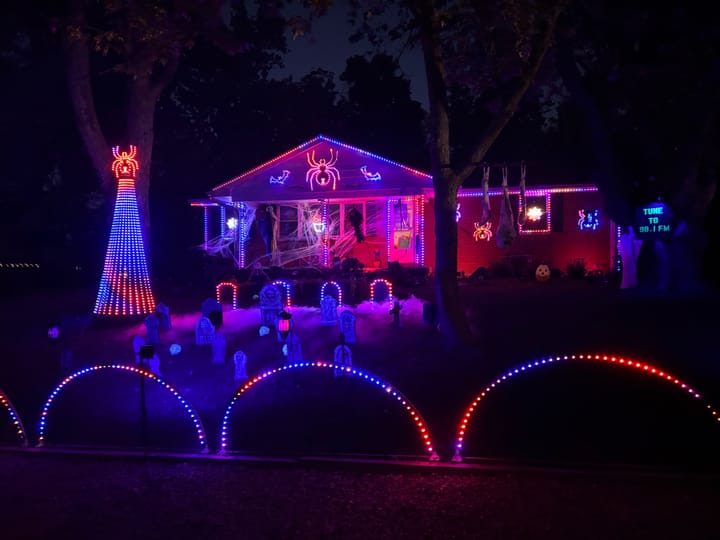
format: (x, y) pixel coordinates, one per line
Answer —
(608, 359)
(411, 410)
(311, 142)
(194, 417)
(14, 417)
(477, 192)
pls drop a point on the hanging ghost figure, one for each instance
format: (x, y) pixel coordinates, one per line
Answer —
(522, 214)
(506, 232)
(486, 198)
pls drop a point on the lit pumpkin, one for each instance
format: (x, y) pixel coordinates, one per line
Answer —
(542, 273)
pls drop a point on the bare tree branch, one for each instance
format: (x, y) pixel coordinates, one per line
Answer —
(493, 130)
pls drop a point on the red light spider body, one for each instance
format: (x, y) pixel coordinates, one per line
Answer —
(322, 171)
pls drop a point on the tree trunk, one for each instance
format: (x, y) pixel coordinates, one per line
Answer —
(453, 323)
(140, 132)
(76, 55)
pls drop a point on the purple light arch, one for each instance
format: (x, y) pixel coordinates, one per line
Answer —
(550, 360)
(14, 417)
(194, 417)
(412, 411)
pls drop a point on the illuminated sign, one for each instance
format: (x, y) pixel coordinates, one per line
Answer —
(653, 219)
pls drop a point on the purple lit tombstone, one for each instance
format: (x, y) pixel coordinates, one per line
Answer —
(208, 305)
(152, 324)
(204, 332)
(294, 349)
(240, 361)
(328, 310)
(270, 305)
(342, 357)
(347, 326)
(138, 341)
(163, 313)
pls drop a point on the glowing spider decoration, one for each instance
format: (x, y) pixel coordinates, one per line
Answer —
(372, 177)
(534, 213)
(323, 171)
(125, 164)
(482, 232)
(280, 179)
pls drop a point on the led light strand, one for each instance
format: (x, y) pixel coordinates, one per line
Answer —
(243, 234)
(548, 226)
(14, 417)
(387, 284)
(125, 283)
(325, 234)
(611, 360)
(417, 419)
(388, 232)
(310, 143)
(194, 417)
(422, 230)
(337, 288)
(206, 227)
(538, 192)
(288, 288)
(234, 286)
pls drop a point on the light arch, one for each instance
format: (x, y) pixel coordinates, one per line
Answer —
(288, 291)
(386, 283)
(338, 289)
(233, 286)
(411, 410)
(194, 417)
(14, 417)
(550, 360)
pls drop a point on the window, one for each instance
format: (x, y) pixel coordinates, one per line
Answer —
(373, 209)
(288, 221)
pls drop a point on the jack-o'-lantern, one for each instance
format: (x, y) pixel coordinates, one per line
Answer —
(542, 273)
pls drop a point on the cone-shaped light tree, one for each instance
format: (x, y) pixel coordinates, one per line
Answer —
(125, 283)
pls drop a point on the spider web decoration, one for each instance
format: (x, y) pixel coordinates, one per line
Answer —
(125, 282)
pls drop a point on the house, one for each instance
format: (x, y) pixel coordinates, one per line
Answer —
(325, 201)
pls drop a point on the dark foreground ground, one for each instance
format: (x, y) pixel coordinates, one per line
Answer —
(569, 413)
(47, 496)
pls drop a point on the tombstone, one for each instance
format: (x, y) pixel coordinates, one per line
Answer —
(138, 341)
(204, 332)
(342, 358)
(240, 361)
(155, 365)
(210, 304)
(347, 326)
(294, 348)
(219, 345)
(328, 310)
(163, 313)
(152, 324)
(270, 305)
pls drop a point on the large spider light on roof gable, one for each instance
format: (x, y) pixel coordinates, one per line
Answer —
(323, 171)
(125, 282)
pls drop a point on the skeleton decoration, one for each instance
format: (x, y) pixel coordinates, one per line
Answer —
(506, 232)
(323, 171)
(482, 232)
